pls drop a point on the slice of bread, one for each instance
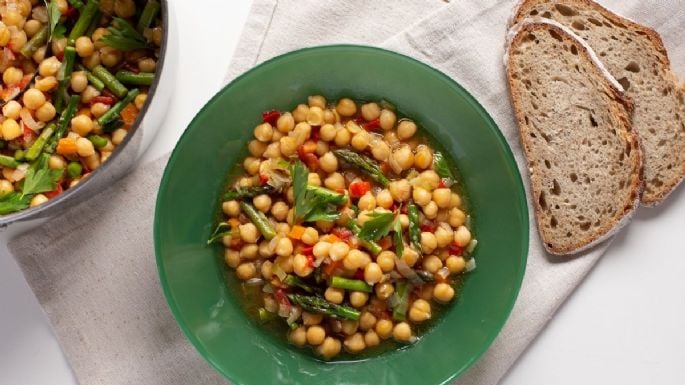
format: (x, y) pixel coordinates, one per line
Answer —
(584, 159)
(635, 55)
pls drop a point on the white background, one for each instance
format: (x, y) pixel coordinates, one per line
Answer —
(622, 326)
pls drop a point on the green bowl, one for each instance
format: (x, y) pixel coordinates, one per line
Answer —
(193, 274)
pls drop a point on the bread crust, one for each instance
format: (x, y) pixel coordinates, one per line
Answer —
(636, 182)
(520, 13)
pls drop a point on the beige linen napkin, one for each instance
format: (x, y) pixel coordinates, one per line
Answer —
(103, 296)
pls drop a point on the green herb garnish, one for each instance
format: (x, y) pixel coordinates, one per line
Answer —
(377, 227)
(53, 17)
(442, 168)
(313, 203)
(221, 230)
(397, 237)
(13, 202)
(123, 36)
(40, 180)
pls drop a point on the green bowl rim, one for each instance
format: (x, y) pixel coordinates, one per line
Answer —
(471, 99)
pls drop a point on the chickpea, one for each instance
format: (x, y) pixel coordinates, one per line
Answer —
(367, 202)
(31, 27)
(98, 109)
(12, 18)
(371, 339)
(354, 343)
(18, 39)
(263, 132)
(386, 261)
(457, 217)
(288, 146)
(342, 137)
(406, 129)
(283, 229)
(367, 321)
(314, 179)
(335, 181)
(248, 232)
(82, 125)
(455, 264)
(284, 247)
(249, 251)
(404, 220)
(309, 319)
(403, 157)
(455, 200)
(462, 237)
(11, 110)
(272, 151)
(4, 34)
(46, 112)
(38, 200)
(290, 194)
(89, 93)
(380, 150)
(443, 292)
(256, 148)
(387, 119)
(371, 111)
(384, 328)
(329, 348)
(346, 107)
(58, 45)
(442, 197)
(279, 210)
(262, 202)
(402, 332)
(321, 249)
(300, 113)
(285, 263)
(246, 271)
(420, 311)
(298, 336)
(330, 116)
(315, 116)
(400, 190)
(79, 82)
(315, 335)
(301, 265)
(334, 295)
(84, 46)
(301, 132)
(372, 273)
(316, 101)
(327, 132)
(39, 55)
(410, 256)
(266, 251)
(353, 260)
(426, 292)
(358, 298)
(360, 140)
(110, 57)
(421, 196)
(444, 235)
(147, 65)
(430, 210)
(118, 136)
(6, 187)
(92, 61)
(423, 158)
(12, 76)
(310, 236)
(328, 162)
(33, 99)
(432, 264)
(157, 36)
(285, 123)
(428, 242)
(384, 290)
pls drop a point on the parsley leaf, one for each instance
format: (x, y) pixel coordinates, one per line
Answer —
(442, 168)
(313, 203)
(40, 180)
(377, 227)
(53, 17)
(222, 229)
(123, 36)
(13, 202)
(300, 175)
(397, 238)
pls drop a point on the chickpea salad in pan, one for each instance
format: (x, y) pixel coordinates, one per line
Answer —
(75, 75)
(346, 228)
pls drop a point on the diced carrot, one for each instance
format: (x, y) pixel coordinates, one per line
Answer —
(385, 243)
(234, 222)
(66, 146)
(129, 114)
(331, 267)
(296, 232)
(331, 238)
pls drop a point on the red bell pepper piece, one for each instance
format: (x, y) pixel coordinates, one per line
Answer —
(102, 99)
(372, 125)
(342, 233)
(51, 194)
(263, 179)
(270, 117)
(455, 249)
(359, 188)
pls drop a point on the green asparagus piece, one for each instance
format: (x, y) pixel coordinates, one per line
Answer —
(365, 164)
(249, 192)
(19, 155)
(326, 195)
(98, 141)
(95, 23)
(37, 146)
(74, 169)
(113, 113)
(259, 219)
(399, 312)
(265, 315)
(38, 40)
(63, 123)
(351, 284)
(292, 280)
(76, 3)
(138, 79)
(92, 79)
(148, 15)
(84, 20)
(64, 75)
(8, 161)
(414, 227)
(372, 246)
(317, 304)
(110, 81)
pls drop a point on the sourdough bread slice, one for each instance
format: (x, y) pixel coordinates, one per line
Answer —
(584, 159)
(636, 57)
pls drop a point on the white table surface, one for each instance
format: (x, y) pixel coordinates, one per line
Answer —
(622, 326)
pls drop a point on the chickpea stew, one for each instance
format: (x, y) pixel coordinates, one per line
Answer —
(75, 75)
(345, 226)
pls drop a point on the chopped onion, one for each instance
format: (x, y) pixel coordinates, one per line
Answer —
(353, 127)
(278, 271)
(318, 261)
(394, 275)
(443, 273)
(254, 282)
(268, 288)
(295, 313)
(18, 174)
(394, 165)
(284, 310)
(471, 246)
(28, 120)
(470, 265)
(407, 272)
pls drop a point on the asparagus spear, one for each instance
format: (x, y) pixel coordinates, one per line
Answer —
(138, 79)
(37, 146)
(92, 79)
(63, 123)
(249, 192)
(326, 195)
(114, 112)
(292, 280)
(259, 219)
(316, 304)
(8, 161)
(110, 81)
(365, 164)
(399, 312)
(149, 13)
(65, 75)
(351, 284)
(414, 229)
(78, 4)
(84, 20)
(38, 40)
(372, 246)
